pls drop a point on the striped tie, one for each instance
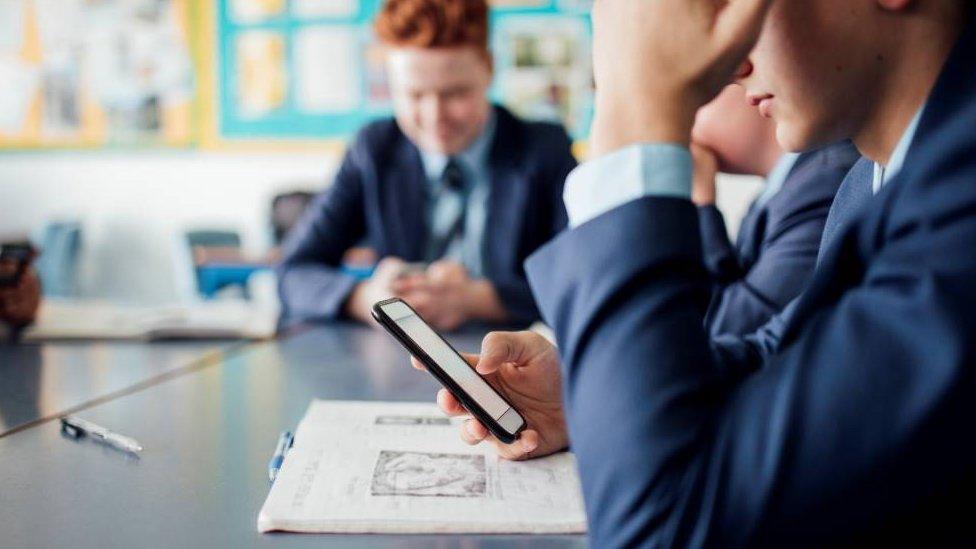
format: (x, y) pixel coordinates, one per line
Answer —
(447, 227)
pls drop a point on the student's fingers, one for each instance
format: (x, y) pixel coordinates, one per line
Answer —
(447, 272)
(473, 432)
(409, 284)
(470, 358)
(450, 405)
(425, 305)
(521, 449)
(500, 348)
(417, 364)
(496, 349)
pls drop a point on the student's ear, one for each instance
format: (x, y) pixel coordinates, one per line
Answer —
(489, 62)
(894, 5)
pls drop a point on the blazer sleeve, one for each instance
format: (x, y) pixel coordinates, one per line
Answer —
(832, 434)
(786, 261)
(310, 283)
(562, 166)
(719, 255)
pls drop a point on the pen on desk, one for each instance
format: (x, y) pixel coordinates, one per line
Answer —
(284, 443)
(76, 427)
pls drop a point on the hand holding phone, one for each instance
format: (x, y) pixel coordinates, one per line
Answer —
(445, 364)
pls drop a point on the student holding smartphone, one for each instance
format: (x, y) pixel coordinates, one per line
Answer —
(451, 182)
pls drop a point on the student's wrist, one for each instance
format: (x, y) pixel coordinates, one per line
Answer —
(357, 306)
(618, 124)
(705, 170)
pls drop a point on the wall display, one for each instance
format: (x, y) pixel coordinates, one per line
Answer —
(85, 73)
(222, 73)
(335, 80)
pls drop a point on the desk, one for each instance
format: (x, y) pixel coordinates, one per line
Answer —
(44, 380)
(208, 436)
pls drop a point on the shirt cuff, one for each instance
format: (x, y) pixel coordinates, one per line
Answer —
(637, 171)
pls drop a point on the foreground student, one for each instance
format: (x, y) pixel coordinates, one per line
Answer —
(779, 239)
(452, 182)
(855, 431)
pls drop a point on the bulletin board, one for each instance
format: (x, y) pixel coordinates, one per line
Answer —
(77, 73)
(250, 73)
(312, 70)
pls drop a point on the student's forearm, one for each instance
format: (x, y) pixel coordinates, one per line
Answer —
(314, 291)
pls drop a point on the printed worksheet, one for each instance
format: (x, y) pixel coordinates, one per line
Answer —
(375, 467)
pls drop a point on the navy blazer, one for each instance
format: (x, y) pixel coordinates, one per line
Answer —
(776, 249)
(380, 196)
(858, 430)
(740, 354)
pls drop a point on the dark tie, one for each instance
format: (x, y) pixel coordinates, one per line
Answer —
(854, 192)
(447, 224)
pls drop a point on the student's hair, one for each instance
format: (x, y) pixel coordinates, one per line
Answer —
(433, 23)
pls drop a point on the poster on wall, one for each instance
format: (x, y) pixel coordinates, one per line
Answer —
(543, 69)
(327, 66)
(262, 77)
(324, 76)
(76, 72)
(257, 11)
(313, 9)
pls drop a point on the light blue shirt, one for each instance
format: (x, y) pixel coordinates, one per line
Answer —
(612, 180)
(776, 178)
(664, 169)
(474, 162)
(884, 174)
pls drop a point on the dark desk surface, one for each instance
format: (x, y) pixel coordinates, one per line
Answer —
(38, 381)
(208, 436)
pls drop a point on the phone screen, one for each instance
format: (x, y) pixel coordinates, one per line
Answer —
(444, 356)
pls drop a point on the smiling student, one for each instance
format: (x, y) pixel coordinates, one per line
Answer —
(462, 187)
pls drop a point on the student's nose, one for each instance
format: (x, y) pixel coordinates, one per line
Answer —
(743, 72)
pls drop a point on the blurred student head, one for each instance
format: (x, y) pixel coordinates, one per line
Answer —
(742, 141)
(826, 70)
(439, 68)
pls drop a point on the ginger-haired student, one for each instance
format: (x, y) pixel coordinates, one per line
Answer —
(453, 193)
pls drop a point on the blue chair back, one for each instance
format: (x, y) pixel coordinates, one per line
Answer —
(58, 263)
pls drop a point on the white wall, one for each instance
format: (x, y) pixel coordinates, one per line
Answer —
(133, 206)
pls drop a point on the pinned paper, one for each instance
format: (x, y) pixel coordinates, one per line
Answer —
(310, 9)
(329, 71)
(262, 77)
(20, 82)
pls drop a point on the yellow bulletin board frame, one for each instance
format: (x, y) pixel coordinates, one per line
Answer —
(180, 127)
(199, 25)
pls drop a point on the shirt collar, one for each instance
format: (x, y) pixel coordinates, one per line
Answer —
(777, 176)
(884, 174)
(471, 159)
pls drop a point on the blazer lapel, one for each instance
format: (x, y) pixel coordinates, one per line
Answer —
(750, 236)
(405, 204)
(507, 199)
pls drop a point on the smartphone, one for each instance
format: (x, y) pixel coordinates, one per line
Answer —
(444, 362)
(20, 254)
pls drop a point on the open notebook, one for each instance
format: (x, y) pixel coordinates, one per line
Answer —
(69, 319)
(373, 467)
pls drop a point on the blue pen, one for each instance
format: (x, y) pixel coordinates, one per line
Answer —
(284, 443)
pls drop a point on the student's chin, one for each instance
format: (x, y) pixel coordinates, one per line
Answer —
(794, 139)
